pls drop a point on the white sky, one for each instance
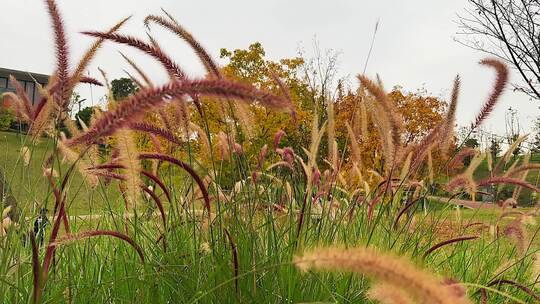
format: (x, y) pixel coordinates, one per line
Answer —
(414, 47)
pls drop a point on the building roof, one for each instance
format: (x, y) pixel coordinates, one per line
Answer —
(23, 75)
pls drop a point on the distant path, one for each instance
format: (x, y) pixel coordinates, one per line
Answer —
(465, 203)
(83, 217)
(91, 217)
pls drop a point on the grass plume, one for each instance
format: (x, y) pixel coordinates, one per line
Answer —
(173, 26)
(384, 268)
(500, 83)
(134, 107)
(388, 294)
(129, 158)
(172, 67)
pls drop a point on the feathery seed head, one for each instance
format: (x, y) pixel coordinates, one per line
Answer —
(384, 268)
(500, 83)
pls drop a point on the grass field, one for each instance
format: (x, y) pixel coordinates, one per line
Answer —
(266, 188)
(198, 265)
(245, 253)
(31, 189)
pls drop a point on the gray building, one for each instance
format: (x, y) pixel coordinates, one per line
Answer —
(27, 80)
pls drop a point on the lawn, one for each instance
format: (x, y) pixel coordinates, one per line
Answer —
(31, 189)
(267, 187)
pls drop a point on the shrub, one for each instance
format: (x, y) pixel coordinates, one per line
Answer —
(85, 115)
(6, 119)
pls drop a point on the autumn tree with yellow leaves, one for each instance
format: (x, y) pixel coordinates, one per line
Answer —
(420, 111)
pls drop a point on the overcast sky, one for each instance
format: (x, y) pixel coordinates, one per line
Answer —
(414, 46)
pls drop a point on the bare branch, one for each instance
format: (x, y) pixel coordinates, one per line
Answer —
(507, 29)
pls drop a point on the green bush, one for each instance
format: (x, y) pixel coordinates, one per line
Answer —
(85, 115)
(6, 119)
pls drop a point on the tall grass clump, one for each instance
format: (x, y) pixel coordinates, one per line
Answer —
(148, 204)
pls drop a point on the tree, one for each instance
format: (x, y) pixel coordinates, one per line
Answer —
(122, 88)
(6, 118)
(313, 86)
(494, 148)
(508, 29)
(420, 112)
(536, 138)
(252, 67)
(472, 143)
(76, 100)
(85, 115)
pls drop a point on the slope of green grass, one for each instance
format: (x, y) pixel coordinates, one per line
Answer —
(526, 196)
(31, 189)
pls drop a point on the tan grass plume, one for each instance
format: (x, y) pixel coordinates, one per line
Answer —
(129, 158)
(388, 294)
(385, 268)
(25, 153)
(80, 162)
